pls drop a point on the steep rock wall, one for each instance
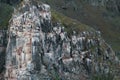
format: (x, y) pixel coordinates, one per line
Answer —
(40, 50)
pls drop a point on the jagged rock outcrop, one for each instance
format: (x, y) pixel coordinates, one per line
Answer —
(40, 50)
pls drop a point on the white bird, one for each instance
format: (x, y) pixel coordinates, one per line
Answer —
(67, 61)
(62, 35)
(88, 61)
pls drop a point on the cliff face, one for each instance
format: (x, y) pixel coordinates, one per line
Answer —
(38, 49)
(102, 15)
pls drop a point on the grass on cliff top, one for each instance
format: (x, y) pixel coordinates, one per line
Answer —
(5, 15)
(69, 23)
(97, 17)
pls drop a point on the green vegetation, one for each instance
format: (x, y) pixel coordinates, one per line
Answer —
(103, 77)
(97, 17)
(69, 23)
(2, 60)
(5, 15)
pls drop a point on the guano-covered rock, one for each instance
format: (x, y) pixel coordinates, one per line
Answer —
(37, 49)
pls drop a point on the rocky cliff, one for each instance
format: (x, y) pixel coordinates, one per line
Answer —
(40, 49)
(102, 15)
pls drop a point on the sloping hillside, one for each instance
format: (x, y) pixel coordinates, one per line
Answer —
(5, 15)
(104, 18)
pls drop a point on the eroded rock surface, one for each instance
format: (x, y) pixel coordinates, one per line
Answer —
(40, 50)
